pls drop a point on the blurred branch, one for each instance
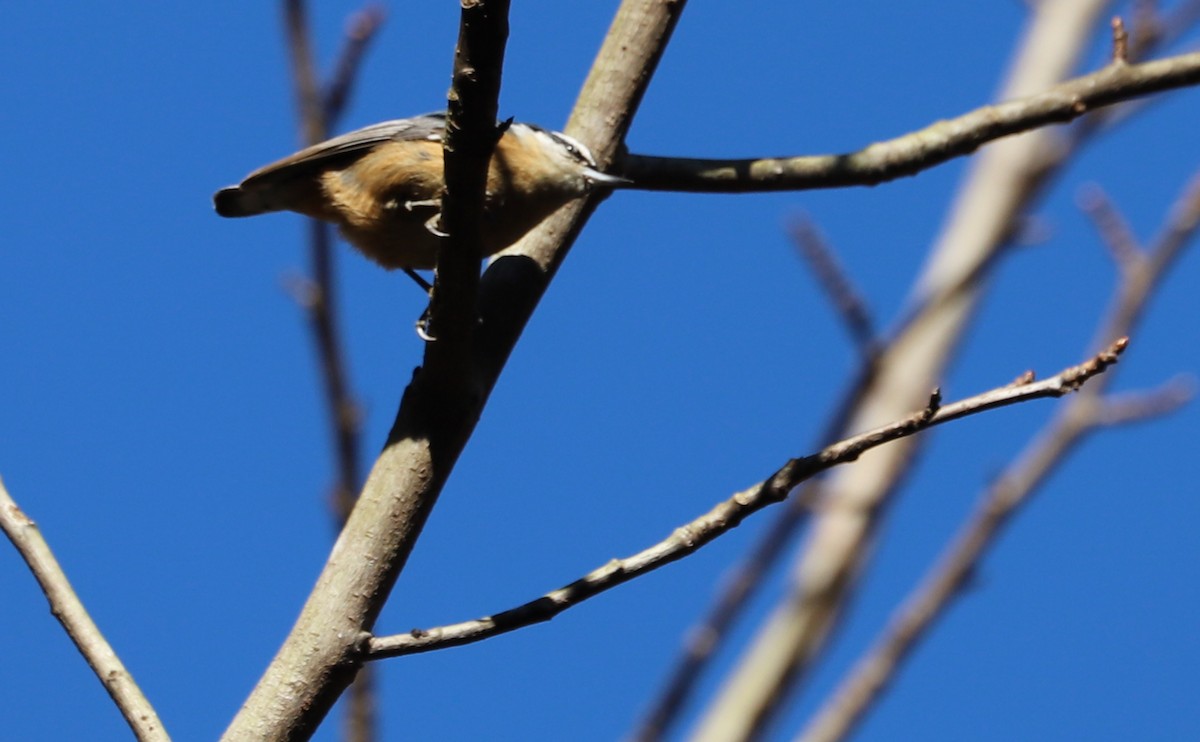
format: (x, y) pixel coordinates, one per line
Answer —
(705, 638)
(314, 127)
(360, 32)
(1153, 29)
(1001, 184)
(729, 514)
(922, 149)
(66, 606)
(1114, 232)
(1123, 409)
(1078, 417)
(847, 301)
(319, 107)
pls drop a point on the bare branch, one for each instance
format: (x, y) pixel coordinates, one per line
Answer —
(1000, 185)
(1135, 407)
(864, 683)
(1114, 231)
(432, 425)
(1153, 29)
(360, 32)
(847, 301)
(1147, 27)
(66, 606)
(920, 150)
(729, 514)
(471, 137)
(704, 638)
(304, 75)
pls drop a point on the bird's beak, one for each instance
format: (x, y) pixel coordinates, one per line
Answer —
(609, 181)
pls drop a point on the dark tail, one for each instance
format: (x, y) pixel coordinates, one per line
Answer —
(236, 201)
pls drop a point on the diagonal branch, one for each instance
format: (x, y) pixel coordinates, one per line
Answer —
(847, 301)
(1114, 232)
(729, 514)
(360, 32)
(321, 655)
(922, 149)
(1124, 409)
(999, 186)
(318, 108)
(1083, 414)
(68, 609)
(325, 647)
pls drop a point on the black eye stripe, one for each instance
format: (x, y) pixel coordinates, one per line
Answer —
(570, 147)
(577, 151)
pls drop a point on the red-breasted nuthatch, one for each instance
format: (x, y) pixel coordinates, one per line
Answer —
(382, 186)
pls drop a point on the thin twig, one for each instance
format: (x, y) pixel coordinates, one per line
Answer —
(847, 301)
(313, 126)
(729, 514)
(999, 187)
(1146, 25)
(1154, 30)
(705, 637)
(1135, 407)
(1120, 41)
(66, 606)
(847, 704)
(1151, 32)
(317, 112)
(361, 30)
(1023, 168)
(1114, 231)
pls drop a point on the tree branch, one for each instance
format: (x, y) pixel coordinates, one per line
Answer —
(471, 136)
(729, 514)
(847, 301)
(66, 606)
(922, 149)
(1113, 230)
(439, 409)
(999, 186)
(360, 32)
(1083, 414)
(324, 648)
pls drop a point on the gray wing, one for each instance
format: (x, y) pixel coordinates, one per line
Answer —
(350, 146)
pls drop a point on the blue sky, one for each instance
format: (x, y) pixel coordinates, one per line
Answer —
(160, 416)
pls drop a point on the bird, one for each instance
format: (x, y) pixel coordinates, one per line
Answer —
(382, 186)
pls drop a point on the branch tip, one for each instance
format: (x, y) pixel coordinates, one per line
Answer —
(363, 24)
(935, 404)
(1120, 39)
